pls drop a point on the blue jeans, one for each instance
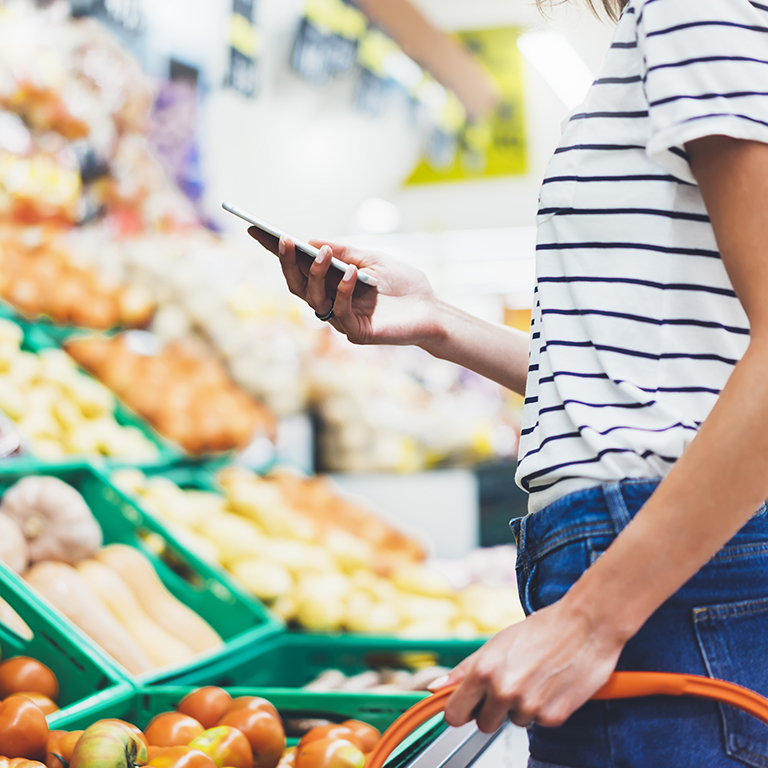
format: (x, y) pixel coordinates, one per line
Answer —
(715, 625)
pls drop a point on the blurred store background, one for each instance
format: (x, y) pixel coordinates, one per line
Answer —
(422, 129)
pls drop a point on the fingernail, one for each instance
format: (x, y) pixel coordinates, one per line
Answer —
(348, 274)
(281, 247)
(321, 256)
(438, 682)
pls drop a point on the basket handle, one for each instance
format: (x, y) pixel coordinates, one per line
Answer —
(621, 685)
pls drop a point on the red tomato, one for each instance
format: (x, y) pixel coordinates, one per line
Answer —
(181, 757)
(130, 726)
(253, 702)
(329, 753)
(24, 674)
(47, 706)
(226, 746)
(367, 736)
(173, 729)
(288, 760)
(66, 745)
(206, 705)
(264, 732)
(330, 731)
(51, 756)
(23, 729)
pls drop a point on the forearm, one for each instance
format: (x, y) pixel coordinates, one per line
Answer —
(495, 351)
(712, 491)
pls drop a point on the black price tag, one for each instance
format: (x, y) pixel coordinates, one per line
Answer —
(243, 74)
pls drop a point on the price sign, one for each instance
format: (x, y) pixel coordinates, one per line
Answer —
(244, 49)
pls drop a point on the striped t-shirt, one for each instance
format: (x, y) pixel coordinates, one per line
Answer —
(636, 327)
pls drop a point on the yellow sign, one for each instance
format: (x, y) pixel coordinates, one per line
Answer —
(495, 146)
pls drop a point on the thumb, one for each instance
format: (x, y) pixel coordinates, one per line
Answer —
(454, 677)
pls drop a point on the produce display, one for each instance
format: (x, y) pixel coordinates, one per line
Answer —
(95, 234)
(112, 593)
(60, 411)
(39, 277)
(377, 681)
(207, 729)
(31, 679)
(320, 561)
(185, 392)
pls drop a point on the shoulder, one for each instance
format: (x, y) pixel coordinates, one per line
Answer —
(652, 12)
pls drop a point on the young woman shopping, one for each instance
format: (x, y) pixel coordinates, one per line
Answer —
(645, 433)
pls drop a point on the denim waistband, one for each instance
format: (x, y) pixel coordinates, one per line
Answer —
(602, 510)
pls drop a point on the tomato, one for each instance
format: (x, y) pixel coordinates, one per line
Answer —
(109, 743)
(23, 729)
(288, 760)
(331, 731)
(329, 753)
(24, 674)
(367, 736)
(131, 727)
(226, 746)
(173, 729)
(253, 702)
(51, 755)
(66, 745)
(206, 705)
(264, 732)
(181, 757)
(47, 706)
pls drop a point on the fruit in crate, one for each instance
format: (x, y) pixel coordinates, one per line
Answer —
(322, 562)
(112, 743)
(109, 744)
(40, 278)
(186, 393)
(112, 593)
(60, 411)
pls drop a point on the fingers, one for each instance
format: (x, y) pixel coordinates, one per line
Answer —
(317, 293)
(342, 306)
(454, 677)
(467, 699)
(294, 277)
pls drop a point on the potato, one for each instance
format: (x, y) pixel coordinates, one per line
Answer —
(267, 580)
(236, 537)
(93, 398)
(12, 398)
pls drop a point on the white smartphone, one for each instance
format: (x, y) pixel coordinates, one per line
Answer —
(270, 237)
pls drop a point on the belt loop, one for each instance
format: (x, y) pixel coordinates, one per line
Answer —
(522, 557)
(616, 506)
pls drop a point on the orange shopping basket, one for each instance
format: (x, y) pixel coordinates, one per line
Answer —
(621, 685)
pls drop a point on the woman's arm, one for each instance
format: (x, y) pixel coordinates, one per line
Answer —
(404, 309)
(547, 666)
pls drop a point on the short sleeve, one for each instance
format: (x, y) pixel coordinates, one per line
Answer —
(705, 68)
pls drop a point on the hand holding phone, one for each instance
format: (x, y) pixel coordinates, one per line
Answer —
(269, 236)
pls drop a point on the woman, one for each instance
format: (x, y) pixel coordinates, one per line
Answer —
(645, 436)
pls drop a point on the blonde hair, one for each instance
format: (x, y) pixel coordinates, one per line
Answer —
(612, 8)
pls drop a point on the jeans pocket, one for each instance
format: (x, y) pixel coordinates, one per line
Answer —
(733, 638)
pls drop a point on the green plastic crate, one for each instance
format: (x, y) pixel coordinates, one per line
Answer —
(293, 659)
(241, 621)
(35, 340)
(379, 711)
(85, 680)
